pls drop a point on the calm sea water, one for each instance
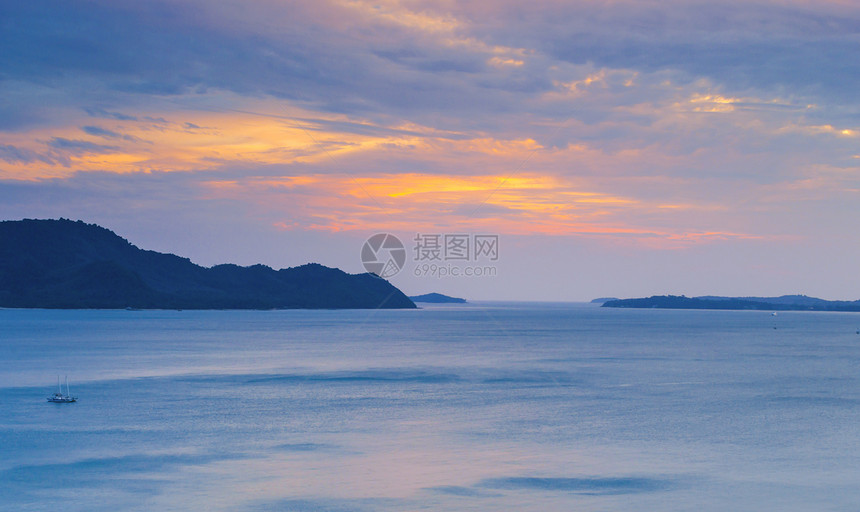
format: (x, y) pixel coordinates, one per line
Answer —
(544, 407)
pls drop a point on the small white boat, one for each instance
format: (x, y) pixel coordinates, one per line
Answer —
(59, 397)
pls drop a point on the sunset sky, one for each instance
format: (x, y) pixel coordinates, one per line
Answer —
(617, 148)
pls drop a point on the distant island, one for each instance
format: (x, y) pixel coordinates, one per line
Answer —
(602, 300)
(437, 298)
(63, 264)
(782, 303)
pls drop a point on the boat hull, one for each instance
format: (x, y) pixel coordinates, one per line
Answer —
(62, 399)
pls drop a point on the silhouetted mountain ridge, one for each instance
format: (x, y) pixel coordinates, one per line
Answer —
(68, 264)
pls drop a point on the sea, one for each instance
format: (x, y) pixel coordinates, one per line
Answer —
(475, 407)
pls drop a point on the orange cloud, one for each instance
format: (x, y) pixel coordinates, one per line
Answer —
(190, 140)
(513, 185)
(524, 204)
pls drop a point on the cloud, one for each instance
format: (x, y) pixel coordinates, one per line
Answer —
(422, 62)
(14, 155)
(466, 492)
(79, 146)
(737, 44)
(524, 204)
(594, 486)
(663, 124)
(14, 117)
(101, 132)
(100, 112)
(110, 134)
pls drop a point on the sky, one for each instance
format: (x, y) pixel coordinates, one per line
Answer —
(612, 148)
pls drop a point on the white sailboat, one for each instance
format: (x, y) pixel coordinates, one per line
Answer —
(59, 397)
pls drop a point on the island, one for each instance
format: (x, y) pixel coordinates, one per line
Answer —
(782, 303)
(602, 300)
(437, 298)
(64, 264)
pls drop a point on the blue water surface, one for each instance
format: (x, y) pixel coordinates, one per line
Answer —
(545, 407)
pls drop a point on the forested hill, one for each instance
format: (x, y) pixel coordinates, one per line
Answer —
(67, 264)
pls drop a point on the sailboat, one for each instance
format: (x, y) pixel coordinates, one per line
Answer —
(59, 397)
